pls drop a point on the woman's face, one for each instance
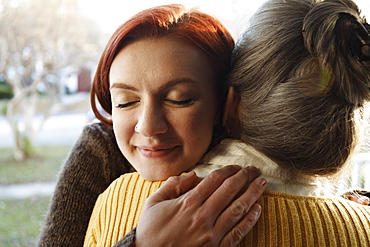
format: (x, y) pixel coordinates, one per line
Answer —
(164, 105)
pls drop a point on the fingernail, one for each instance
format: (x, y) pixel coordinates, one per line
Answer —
(256, 208)
(260, 181)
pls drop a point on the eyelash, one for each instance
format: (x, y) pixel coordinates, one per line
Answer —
(179, 102)
(174, 102)
(126, 104)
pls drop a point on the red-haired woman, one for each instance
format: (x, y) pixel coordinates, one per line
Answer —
(161, 78)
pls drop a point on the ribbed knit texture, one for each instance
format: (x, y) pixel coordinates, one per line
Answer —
(290, 220)
(94, 162)
(286, 220)
(118, 209)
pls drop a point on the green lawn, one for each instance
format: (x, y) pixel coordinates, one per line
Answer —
(43, 166)
(22, 219)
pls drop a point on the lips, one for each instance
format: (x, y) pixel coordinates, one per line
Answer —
(156, 152)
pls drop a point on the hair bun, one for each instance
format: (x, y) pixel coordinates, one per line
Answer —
(334, 32)
(356, 34)
(363, 49)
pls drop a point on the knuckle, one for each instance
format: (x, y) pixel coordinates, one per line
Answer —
(173, 179)
(237, 234)
(207, 240)
(238, 208)
(216, 175)
(251, 221)
(199, 221)
(222, 173)
(250, 173)
(253, 217)
(188, 202)
(231, 185)
(174, 183)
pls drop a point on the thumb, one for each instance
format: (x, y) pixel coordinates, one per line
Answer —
(174, 187)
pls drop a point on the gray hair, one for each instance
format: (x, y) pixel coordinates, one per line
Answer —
(302, 69)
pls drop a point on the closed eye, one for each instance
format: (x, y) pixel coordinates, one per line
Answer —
(179, 102)
(128, 104)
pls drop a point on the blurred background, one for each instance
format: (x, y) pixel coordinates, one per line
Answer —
(48, 54)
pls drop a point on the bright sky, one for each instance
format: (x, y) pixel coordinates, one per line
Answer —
(233, 13)
(111, 13)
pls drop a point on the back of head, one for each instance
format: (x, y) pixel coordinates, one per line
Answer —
(302, 70)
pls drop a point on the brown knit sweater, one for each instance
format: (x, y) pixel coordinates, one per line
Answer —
(93, 163)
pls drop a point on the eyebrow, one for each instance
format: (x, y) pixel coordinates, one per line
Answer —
(121, 85)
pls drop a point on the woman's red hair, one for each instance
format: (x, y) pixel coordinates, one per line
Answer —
(191, 26)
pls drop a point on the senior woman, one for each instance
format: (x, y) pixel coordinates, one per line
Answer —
(299, 93)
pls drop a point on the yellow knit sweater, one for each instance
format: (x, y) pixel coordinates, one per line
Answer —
(286, 220)
(118, 208)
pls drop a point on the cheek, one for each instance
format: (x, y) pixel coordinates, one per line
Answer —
(200, 124)
(122, 128)
(198, 127)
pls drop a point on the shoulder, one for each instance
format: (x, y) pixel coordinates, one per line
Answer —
(97, 147)
(98, 131)
(99, 139)
(317, 206)
(295, 220)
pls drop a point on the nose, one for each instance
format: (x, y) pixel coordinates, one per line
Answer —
(152, 121)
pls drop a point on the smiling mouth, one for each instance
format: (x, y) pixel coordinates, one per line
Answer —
(156, 153)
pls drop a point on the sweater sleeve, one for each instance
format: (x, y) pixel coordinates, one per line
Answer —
(93, 163)
(128, 240)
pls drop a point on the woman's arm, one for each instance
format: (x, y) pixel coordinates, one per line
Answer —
(93, 163)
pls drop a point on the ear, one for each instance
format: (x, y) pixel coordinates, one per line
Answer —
(231, 106)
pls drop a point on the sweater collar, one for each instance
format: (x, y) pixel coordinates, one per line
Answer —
(238, 153)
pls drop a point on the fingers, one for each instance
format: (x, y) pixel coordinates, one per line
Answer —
(213, 181)
(174, 187)
(226, 193)
(243, 227)
(239, 218)
(208, 212)
(363, 200)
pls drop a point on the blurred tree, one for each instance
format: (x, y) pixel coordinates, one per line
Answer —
(39, 41)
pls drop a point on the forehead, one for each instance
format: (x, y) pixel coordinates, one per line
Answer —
(160, 60)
